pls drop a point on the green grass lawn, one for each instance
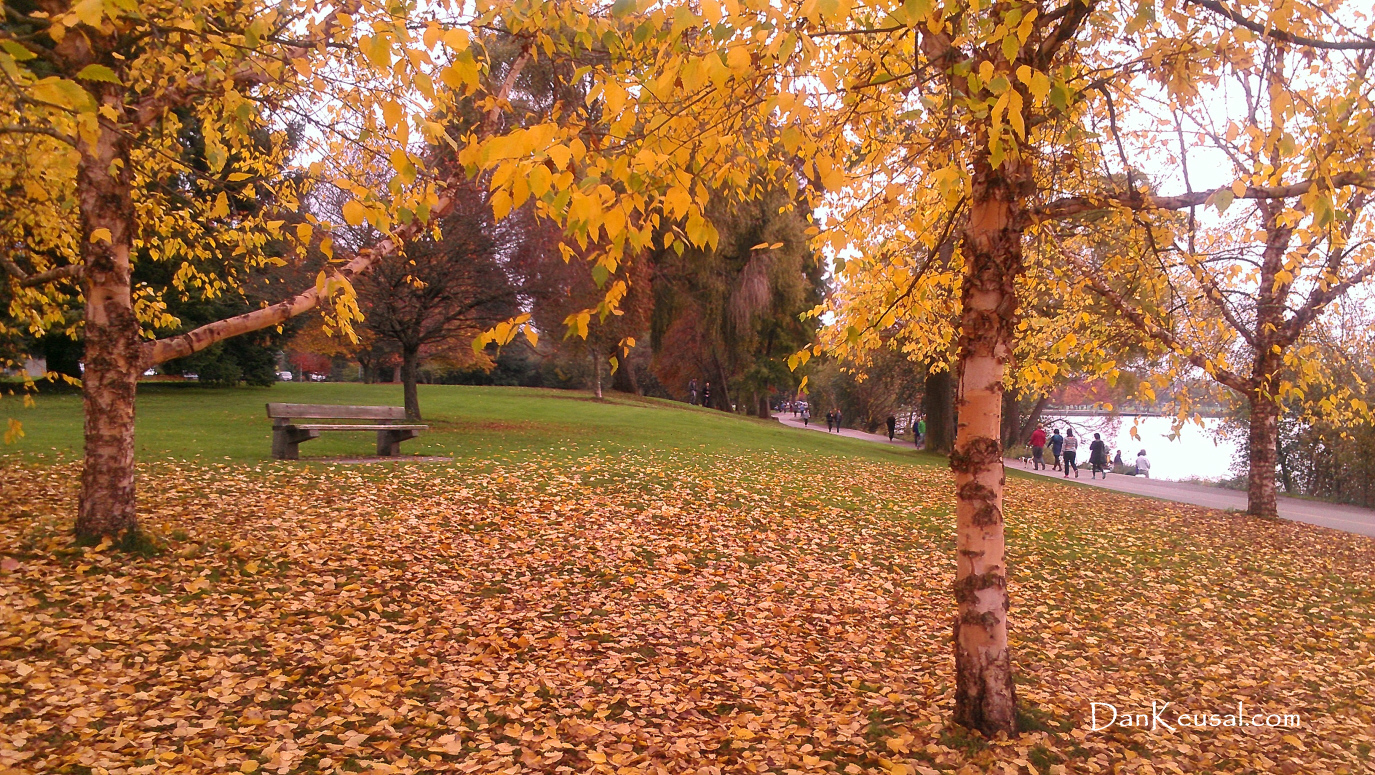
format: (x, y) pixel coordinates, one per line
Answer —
(467, 423)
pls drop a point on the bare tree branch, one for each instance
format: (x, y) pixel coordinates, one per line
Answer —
(198, 339)
(507, 85)
(1082, 205)
(1281, 35)
(71, 271)
(1072, 17)
(39, 130)
(846, 33)
(27, 280)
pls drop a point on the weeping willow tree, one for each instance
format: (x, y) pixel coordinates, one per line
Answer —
(731, 316)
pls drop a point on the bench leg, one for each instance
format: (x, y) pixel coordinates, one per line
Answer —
(389, 442)
(283, 448)
(286, 441)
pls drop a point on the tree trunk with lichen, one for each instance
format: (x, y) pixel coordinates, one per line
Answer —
(410, 379)
(1033, 420)
(1012, 420)
(938, 404)
(106, 507)
(1262, 443)
(624, 380)
(1267, 364)
(1261, 496)
(985, 697)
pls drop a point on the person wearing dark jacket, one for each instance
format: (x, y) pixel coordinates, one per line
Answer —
(892, 426)
(1098, 457)
(1057, 445)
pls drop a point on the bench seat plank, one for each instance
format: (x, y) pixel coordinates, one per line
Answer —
(314, 427)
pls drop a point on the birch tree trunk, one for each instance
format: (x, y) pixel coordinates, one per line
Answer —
(106, 506)
(985, 697)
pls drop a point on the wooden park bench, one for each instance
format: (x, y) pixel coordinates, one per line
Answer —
(288, 432)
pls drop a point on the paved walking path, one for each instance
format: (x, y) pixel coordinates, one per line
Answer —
(1338, 517)
(820, 425)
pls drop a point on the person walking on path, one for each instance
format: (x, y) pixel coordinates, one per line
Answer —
(1143, 464)
(706, 395)
(892, 426)
(837, 421)
(1038, 448)
(692, 391)
(1118, 467)
(1057, 445)
(1098, 457)
(806, 416)
(1071, 451)
(830, 421)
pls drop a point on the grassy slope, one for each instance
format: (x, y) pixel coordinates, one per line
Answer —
(468, 423)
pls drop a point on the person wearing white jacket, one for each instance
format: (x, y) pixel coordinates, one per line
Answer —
(1071, 452)
(1143, 464)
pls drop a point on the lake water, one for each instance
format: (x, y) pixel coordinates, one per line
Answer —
(1194, 454)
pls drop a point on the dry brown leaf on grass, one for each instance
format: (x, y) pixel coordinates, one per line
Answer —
(662, 614)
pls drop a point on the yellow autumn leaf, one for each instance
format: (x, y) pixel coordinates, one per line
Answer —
(89, 12)
(456, 38)
(220, 208)
(354, 212)
(501, 204)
